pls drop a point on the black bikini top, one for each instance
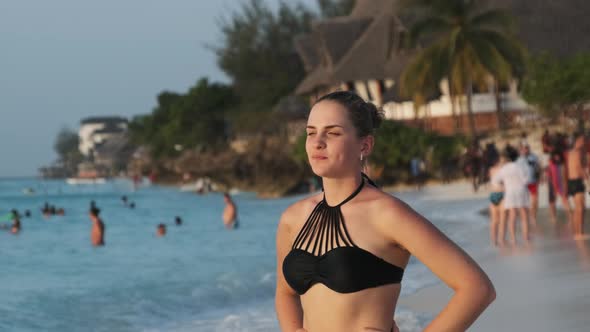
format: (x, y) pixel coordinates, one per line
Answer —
(323, 252)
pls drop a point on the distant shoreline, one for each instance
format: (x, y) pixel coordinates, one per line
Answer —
(19, 177)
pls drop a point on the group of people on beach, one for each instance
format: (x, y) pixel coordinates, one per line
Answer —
(515, 176)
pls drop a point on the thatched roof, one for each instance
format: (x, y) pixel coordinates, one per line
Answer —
(308, 52)
(349, 48)
(338, 35)
(365, 45)
(318, 77)
(372, 8)
(369, 55)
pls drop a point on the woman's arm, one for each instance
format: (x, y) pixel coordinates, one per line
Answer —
(287, 303)
(473, 289)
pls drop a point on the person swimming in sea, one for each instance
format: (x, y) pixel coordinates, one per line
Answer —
(161, 230)
(178, 221)
(230, 213)
(98, 229)
(15, 229)
(45, 210)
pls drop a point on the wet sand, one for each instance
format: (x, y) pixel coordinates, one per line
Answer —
(542, 286)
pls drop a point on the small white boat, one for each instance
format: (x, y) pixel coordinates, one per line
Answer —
(201, 185)
(29, 191)
(82, 181)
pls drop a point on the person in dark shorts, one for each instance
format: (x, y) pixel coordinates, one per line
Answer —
(576, 174)
(575, 186)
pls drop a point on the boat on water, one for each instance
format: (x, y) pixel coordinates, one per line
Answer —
(28, 191)
(83, 181)
(201, 185)
(88, 173)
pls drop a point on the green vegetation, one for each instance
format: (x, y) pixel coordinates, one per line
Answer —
(191, 132)
(185, 121)
(464, 43)
(558, 86)
(258, 54)
(66, 146)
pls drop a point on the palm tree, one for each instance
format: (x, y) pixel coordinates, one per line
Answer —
(464, 43)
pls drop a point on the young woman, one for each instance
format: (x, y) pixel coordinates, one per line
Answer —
(496, 209)
(341, 253)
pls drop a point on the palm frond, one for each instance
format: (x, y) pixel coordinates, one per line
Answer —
(509, 47)
(430, 27)
(499, 19)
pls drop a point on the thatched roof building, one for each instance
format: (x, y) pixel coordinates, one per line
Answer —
(365, 45)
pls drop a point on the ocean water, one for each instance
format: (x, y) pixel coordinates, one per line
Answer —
(200, 277)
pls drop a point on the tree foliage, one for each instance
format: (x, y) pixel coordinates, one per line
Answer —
(392, 150)
(333, 8)
(180, 121)
(66, 142)
(464, 43)
(258, 54)
(556, 85)
(66, 146)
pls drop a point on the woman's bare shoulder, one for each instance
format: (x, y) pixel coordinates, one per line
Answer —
(388, 208)
(379, 199)
(297, 212)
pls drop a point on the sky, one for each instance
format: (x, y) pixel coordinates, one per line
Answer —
(64, 60)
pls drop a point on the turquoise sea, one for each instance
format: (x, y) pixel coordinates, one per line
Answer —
(199, 277)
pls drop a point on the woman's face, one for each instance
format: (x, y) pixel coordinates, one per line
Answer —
(333, 148)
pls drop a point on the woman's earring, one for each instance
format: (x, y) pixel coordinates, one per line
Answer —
(361, 157)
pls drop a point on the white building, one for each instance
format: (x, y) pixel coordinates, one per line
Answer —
(96, 130)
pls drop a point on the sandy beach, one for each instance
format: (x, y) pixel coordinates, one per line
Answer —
(540, 287)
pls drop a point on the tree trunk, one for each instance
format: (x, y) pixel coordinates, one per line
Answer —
(470, 116)
(499, 115)
(453, 107)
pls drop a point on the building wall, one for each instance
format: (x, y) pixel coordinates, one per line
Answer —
(438, 114)
(481, 103)
(447, 125)
(85, 134)
(88, 140)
